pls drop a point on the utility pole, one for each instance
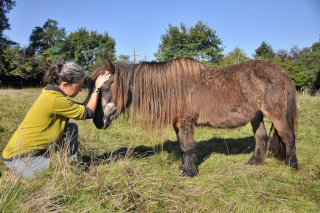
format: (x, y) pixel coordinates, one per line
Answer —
(134, 54)
(145, 56)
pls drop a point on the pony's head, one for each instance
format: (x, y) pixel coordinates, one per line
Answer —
(114, 94)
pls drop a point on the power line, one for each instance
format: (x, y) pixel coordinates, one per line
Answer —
(134, 55)
(146, 56)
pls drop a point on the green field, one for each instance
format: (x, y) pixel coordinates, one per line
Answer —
(126, 170)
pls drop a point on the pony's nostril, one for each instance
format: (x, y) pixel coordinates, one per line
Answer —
(104, 121)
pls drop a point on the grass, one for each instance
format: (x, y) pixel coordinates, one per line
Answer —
(129, 171)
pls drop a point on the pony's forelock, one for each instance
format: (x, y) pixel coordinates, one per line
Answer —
(93, 77)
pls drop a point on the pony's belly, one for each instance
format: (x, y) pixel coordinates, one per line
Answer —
(226, 120)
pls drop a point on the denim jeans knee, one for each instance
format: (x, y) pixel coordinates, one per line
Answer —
(69, 139)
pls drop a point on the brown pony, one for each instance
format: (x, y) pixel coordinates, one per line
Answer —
(185, 93)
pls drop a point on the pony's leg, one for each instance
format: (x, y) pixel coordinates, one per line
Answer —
(185, 131)
(287, 136)
(260, 135)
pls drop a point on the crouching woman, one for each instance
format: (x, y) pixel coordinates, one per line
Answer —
(47, 121)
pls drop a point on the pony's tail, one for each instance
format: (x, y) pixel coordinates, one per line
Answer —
(279, 148)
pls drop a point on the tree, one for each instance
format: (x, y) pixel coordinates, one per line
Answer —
(59, 50)
(303, 65)
(315, 47)
(123, 59)
(311, 61)
(282, 54)
(237, 56)
(292, 55)
(18, 63)
(87, 47)
(264, 52)
(199, 41)
(294, 52)
(5, 7)
(49, 36)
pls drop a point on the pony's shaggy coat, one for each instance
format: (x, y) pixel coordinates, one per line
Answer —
(185, 93)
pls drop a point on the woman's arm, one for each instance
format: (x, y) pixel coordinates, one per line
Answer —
(92, 104)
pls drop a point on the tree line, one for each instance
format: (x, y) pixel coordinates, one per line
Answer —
(202, 43)
(303, 64)
(49, 42)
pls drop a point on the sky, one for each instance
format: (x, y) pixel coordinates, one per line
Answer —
(139, 24)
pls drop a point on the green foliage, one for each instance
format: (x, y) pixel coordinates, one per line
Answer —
(264, 52)
(235, 57)
(123, 59)
(18, 63)
(311, 61)
(5, 7)
(85, 47)
(58, 50)
(200, 42)
(300, 76)
(315, 47)
(47, 36)
(31, 62)
(304, 68)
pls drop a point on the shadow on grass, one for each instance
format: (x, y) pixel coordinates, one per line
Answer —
(203, 150)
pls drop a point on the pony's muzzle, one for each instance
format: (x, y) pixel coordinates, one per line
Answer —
(110, 113)
(106, 122)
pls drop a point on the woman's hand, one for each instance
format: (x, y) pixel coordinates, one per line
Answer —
(92, 104)
(102, 79)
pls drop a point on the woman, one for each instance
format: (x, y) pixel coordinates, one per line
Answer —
(48, 120)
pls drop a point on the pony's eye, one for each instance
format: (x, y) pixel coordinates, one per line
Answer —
(106, 90)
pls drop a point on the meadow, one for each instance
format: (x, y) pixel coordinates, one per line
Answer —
(124, 169)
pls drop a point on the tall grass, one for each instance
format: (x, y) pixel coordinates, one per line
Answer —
(128, 171)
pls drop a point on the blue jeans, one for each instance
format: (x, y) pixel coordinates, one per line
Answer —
(28, 167)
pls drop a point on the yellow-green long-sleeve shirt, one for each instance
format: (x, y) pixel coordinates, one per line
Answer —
(44, 123)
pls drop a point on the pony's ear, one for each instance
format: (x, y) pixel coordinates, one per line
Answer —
(108, 65)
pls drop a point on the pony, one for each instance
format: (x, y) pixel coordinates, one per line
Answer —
(185, 93)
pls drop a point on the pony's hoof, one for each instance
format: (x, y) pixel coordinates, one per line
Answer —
(181, 169)
(253, 161)
(186, 173)
(185, 176)
(292, 162)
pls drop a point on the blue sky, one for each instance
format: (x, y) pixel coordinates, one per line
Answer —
(140, 23)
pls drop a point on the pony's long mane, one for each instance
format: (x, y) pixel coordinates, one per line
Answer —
(121, 86)
(162, 90)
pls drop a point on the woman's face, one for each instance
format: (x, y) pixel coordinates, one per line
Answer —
(72, 90)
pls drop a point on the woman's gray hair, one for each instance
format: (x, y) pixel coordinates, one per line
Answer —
(69, 72)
